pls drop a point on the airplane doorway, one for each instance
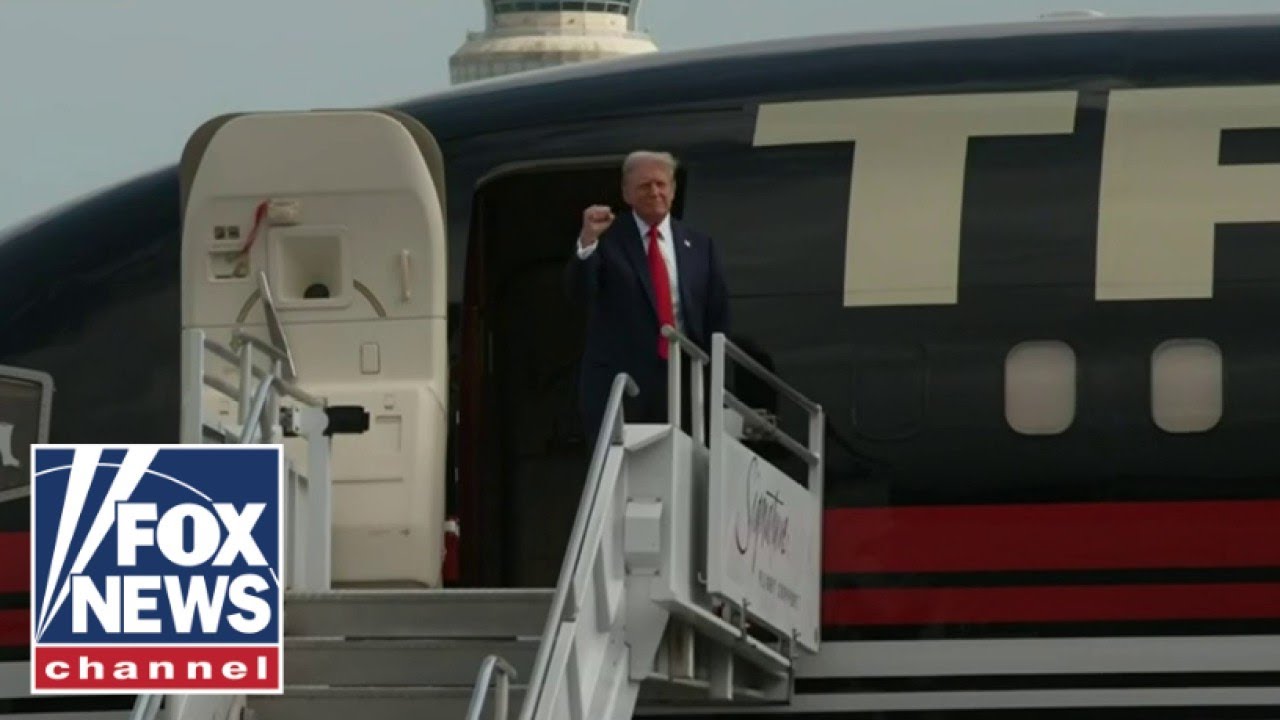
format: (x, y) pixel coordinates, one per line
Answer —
(531, 456)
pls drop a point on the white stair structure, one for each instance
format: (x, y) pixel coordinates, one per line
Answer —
(383, 655)
(689, 552)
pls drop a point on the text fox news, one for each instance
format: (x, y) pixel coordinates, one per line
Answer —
(156, 569)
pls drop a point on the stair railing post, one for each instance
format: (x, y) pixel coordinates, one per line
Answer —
(246, 382)
(192, 430)
(319, 495)
(480, 691)
(674, 353)
(500, 705)
(698, 366)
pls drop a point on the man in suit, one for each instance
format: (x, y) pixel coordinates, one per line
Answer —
(637, 273)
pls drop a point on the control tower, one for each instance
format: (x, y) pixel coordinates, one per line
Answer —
(529, 34)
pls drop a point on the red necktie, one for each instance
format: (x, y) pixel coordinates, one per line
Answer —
(661, 289)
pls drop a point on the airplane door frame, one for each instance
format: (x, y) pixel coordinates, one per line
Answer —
(45, 381)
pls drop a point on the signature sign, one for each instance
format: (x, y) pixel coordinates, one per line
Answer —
(764, 522)
(763, 552)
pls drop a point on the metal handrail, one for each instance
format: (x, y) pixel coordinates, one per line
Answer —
(254, 415)
(287, 388)
(688, 345)
(778, 384)
(222, 386)
(256, 405)
(812, 455)
(610, 433)
(784, 439)
(479, 693)
(749, 414)
(260, 418)
(231, 356)
(275, 328)
(241, 337)
(283, 386)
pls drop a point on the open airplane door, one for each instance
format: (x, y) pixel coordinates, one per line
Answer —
(342, 212)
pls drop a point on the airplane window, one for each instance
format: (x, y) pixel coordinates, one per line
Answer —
(24, 420)
(1040, 387)
(1186, 385)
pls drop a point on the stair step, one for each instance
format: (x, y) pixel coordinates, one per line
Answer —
(375, 703)
(418, 613)
(399, 662)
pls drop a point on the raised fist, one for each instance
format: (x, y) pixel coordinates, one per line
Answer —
(595, 220)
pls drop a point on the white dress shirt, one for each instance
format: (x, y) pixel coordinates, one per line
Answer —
(666, 243)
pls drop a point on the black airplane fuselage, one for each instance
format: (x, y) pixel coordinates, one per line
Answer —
(943, 519)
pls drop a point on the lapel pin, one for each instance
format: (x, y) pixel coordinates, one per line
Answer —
(686, 243)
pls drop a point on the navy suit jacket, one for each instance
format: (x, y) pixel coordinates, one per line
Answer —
(622, 317)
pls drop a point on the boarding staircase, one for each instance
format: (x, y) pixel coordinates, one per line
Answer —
(691, 576)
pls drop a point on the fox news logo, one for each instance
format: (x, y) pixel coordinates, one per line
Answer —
(156, 569)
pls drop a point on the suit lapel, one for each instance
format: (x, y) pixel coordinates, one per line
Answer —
(684, 264)
(633, 249)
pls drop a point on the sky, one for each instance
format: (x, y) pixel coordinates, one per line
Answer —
(93, 92)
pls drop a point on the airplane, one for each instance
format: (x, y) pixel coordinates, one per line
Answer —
(1029, 270)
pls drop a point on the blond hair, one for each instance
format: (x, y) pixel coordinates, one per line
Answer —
(642, 156)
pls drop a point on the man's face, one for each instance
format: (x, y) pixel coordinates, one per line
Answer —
(648, 189)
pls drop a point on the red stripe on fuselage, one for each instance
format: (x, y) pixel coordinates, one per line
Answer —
(15, 562)
(1212, 534)
(15, 628)
(1095, 603)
